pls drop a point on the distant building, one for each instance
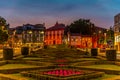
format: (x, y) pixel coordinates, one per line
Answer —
(54, 35)
(96, 40)
(117, 23)
(99, 37)
(117, 31)
(80, 41)
(27, 35)
(33, 35)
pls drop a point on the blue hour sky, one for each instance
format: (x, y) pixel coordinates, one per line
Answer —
(19, 12)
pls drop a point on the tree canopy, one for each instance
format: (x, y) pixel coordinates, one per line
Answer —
(82, 26)
(3, 30)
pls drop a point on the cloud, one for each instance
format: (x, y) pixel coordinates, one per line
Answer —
(100, 11)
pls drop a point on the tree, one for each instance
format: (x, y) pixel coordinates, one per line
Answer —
(3, 30)
(82, 26)
(3, 36)
(110, 37)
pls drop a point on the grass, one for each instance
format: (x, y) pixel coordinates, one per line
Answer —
(20, 76)
(32, 58)
(105, 77)
(13, 66)
(86, 59)
(104, 66)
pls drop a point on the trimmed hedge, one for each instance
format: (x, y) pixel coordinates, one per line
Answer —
(94, 52)
(7, 53)
(111, 55)
(116, 72)
(25, 50)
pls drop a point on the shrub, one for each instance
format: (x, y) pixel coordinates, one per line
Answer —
(94, 52)
(111, 55)
(25, 50)
(7, 53)
(45, 46)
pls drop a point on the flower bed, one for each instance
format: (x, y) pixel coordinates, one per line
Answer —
(62, 74)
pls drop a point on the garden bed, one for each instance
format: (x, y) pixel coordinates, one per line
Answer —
(62, 74)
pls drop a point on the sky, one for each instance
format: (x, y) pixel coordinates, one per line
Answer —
(19, 12)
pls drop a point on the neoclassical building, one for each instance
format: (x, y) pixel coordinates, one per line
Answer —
(33, 35)
(54, 35)
(27, 35)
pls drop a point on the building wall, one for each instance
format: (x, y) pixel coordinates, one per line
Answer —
(31, 37)
(117, 31)
(117, 23)
(54, 37)
(81, 41)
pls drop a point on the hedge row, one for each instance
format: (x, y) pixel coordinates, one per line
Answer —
(30, 62)
(117, 72)
(87, 63)
(41, 60)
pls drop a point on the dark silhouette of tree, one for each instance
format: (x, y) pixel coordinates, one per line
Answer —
(3, 36)
(3, 30)
(110, 36)
(82, 26)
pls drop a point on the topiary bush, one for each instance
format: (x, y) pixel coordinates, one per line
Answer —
(111, 55)
(45, 46)
(94, 52)
(25, 50)
(7, 53)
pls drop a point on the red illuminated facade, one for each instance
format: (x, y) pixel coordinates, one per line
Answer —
(97, 40)
(80, 41)
(54, 35)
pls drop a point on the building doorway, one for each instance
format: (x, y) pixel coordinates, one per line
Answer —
(54, 42)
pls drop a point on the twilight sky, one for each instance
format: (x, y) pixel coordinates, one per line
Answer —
(19, 12)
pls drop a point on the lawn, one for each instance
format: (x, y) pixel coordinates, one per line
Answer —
(85, 59)
(20, 76)
(14, 66)
(104, 66)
